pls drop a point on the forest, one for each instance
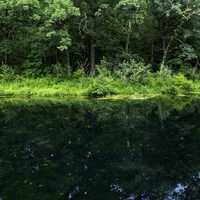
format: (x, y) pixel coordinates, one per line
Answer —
(99, 99)
(99, 48)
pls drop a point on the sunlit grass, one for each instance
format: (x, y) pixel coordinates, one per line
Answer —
(99, 86)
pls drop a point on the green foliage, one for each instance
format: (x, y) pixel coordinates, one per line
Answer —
(133, 71)
(166, 82)
(57, 12)
(80, 73)
(190, 73)
(51, 38)
(100, 88)
(170, 90)
(135, 9)
(100, 91)
(183, 84)
(164, 75)
(59, 70)
(103, 69)
(32, 69)
(7, 72)
(56, 70)
(161, 79)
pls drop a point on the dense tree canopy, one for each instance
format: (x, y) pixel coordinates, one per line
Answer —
(76, 34)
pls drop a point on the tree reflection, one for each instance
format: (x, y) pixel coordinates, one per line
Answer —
(141, 150)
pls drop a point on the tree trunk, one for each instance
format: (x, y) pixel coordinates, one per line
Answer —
(166, 49)
(152, 53)
(128, 37)
(56, 56)
(68, 63)
(5, 58)
(92, 58)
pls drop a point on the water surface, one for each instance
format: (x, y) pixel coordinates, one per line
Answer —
(100, 150)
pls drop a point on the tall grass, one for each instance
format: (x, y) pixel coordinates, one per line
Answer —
(98, 86)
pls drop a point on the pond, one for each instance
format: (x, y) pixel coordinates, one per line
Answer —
(100, 149)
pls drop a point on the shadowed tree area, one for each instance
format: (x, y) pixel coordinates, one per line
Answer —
(42, 36)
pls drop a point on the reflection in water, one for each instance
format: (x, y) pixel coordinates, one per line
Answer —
(100, 150)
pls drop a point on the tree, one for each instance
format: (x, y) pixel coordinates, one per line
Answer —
(93, 28)
(80, 33)
(132, 13)
(57, 14)
(172, 15)
(17, 17)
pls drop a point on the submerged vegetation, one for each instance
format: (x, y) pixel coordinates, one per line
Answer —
(99, 48)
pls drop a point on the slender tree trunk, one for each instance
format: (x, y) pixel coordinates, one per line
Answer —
(5, 58)
(7, 38)
(128, 37)
(68, 63)
(56, 56)
(92, 58)
(166, 49)
(152, 53)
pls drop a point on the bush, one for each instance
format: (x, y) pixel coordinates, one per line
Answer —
(177, 84)
(160, 79)
(170, 90)
(103, 69)
(101, 86)
(80, 73)
(100, 91)
(164, 74)
(183, 83)
(32, 69)
(7, 72)
(59, 70)
(133, 71)
(35, 72)
(190, 72)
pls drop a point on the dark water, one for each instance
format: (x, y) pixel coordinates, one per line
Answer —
(100, 150)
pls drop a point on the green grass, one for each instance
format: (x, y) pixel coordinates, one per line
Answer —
(97, 86)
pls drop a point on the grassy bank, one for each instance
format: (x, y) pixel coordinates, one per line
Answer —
(47, 86)
(99, 86)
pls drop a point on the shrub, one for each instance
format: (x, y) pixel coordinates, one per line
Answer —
(183, 83)
(100, 91)
(160, 79)
(106, 63)
(7, 72)
(59, 70)
(190, 72)
(80, 73)
(101, 86)
(177, 84)
(170, 90)
(164, 74)
(34, 72)
(133, 71)
(102, 70)
(32, 69)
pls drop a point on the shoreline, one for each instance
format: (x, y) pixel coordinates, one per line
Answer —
(87, 87)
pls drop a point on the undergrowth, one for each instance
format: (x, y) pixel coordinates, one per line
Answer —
(103, 84)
